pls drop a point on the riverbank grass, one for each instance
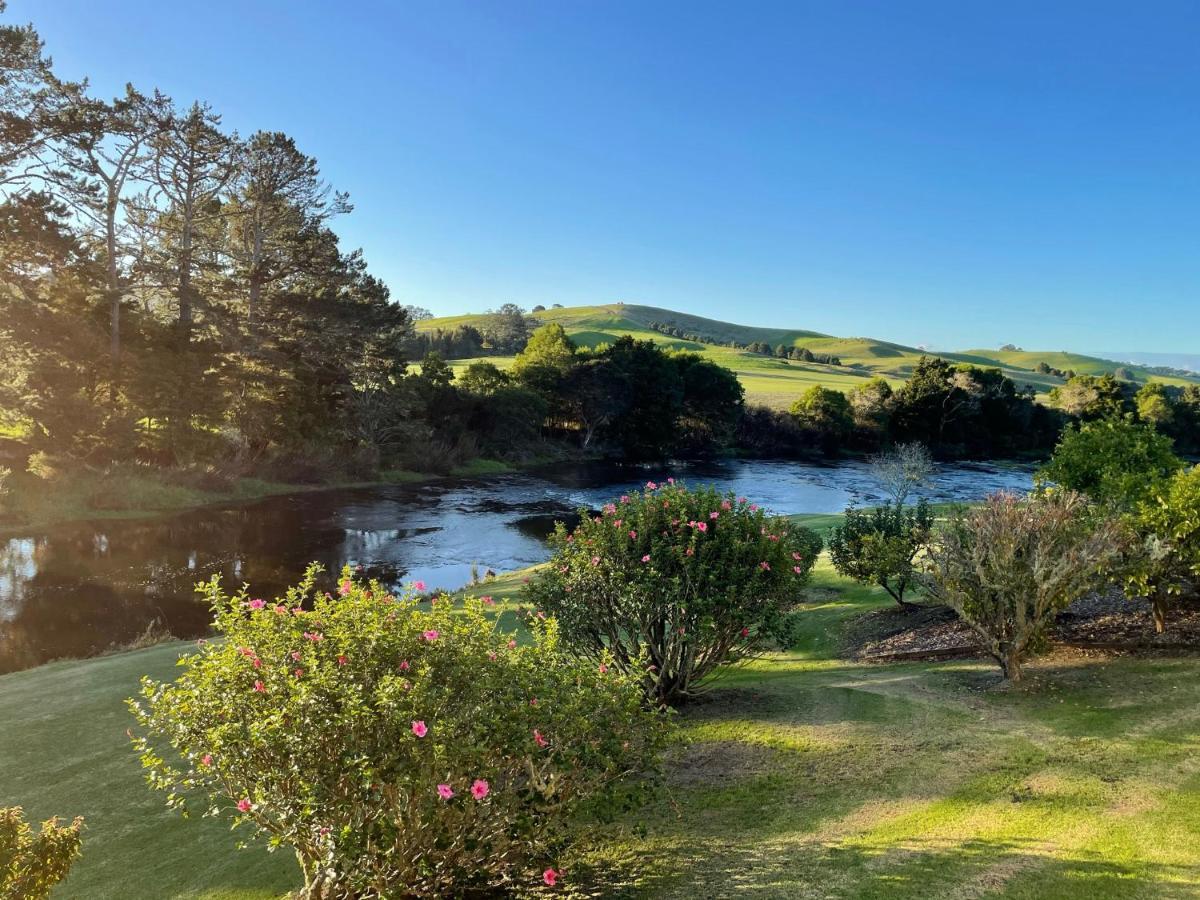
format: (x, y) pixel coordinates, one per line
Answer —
(801, 775)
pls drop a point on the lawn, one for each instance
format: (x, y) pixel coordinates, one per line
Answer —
(802, 775)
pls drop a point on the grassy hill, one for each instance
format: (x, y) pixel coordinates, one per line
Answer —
(777, 382)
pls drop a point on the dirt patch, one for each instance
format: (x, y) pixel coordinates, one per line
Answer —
(714, 763)
(1105, 620)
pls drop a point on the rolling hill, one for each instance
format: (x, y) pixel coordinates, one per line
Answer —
(777, 382)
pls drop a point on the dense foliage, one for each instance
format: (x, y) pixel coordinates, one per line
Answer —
(880, 546)
(32, 864)
(1114, 461)
(391, 746)
(1007, 566)
(674, 583)
(1166, 563)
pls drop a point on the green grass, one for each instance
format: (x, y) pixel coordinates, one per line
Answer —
(802, 775)
(777, 382)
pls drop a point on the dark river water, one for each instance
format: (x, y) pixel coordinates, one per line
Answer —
(79, 589)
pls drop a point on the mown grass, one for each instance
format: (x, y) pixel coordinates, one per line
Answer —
(776, 382)
(801, 775)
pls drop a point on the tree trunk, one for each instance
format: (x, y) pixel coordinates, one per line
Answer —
(255, 278)
(114, 301)
(1009, 658)
(1159, 608)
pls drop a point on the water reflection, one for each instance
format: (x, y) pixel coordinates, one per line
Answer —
(79, 589)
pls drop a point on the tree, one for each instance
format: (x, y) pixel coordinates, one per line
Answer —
(826, 412)
(32, 864)
(545, 359)
(880, 546)
(1007, 566)
(1090, 397)
(1166, 563)
(483, 378)
(1154, 406)
(712, 402)
(1113, 461)
(871, 404)
(902, 469)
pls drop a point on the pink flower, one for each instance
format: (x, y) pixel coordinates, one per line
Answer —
(296, 655)
(445, 791)
(765, 566)
(714, 515)
(299, 673)
(539, 740)
(609, 508)
(418, 728)
(691, 551)
(344, 589)
(259, 687)
(797, 557)
(702, 526)
(741, 499)
(595, 560)
(492, 656)
(488, 601)
(725, 504)
(616, 523)
(753, 507)
(297, 610)
(670, 480)
(342, 660)
(651, 486)
(624, 498)
(206, 759)
(550, 877)
(244, 805)
(418, 585)
(245, 651)
(479, 789)
(314, 636)
(603, 669)
(280, 609)
(257, 663)
(797, 570)
(257, 604)
(512, 645)
(431, 635)
(633, 535)
(404, 665)
(646, 558)
(745, 632)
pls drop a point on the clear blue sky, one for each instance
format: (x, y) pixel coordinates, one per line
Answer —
(954, 174)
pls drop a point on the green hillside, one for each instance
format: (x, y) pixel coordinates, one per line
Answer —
(777, 382)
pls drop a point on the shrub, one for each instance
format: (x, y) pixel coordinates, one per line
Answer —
(1112, 461)
(391, 746)
(880, 546)
(1007, 566)
(674, 583)
(1166, 562)
(902, 469)
(31, 864)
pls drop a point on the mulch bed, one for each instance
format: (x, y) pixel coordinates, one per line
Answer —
(1105, 621)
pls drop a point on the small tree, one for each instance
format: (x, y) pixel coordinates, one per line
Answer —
(1007, 566)
(880, 546)
(674, 584)
(1166, 562)
(902, 469)
(31, 864)
(388, 746)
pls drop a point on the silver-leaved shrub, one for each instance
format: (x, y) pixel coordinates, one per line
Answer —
(397, 751)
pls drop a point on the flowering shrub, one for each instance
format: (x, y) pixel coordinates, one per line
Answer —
(673, 583)
(31, 864)
(391, 746)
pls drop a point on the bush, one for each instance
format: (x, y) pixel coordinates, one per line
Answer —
(390, 746)
(880, 546)
(1007, 566)
(674, 583)
(1112, 461)
(1166, 563)
(31, 864)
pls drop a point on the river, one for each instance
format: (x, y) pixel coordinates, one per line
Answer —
(82, 588)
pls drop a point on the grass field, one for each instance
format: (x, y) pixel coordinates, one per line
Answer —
(778, 382)
(803, 775)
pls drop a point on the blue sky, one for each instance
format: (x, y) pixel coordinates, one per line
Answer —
(950, 174)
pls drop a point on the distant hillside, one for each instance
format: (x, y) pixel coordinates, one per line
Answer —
(778, 382)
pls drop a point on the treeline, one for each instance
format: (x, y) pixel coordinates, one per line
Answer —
(632, 398)
(780, 351)
(957, 411)
(1172, 410)
(501, 332)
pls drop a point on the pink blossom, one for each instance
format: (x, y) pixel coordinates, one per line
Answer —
(646, 558)
(342, 660)
(479, 789)
(633, 535)
(670, 480)
(512, 645)
(624, 498)
(603, 669)
(418, 585)
(765, 566)
(344, 589)
(595, 560)
(244, 805)
(299, 673)
(609, 508)
(617, 523)
(418, 728)
(260, 687)
(797, 570)
(445, 791)
(404, 665)
(745, 632)
(741, 499)
(753, 507)
(296, 655)
(245, 651)
(539, 740)
(702, 526)
(314, 636)
(691, 551)
(714, 515)
(280, 609)
(297, 610)
(797, 557)
(487, 600)
(431, 635)
(257, 663)
(550, 877)
(206, 759)
(256, 603)
(492, 656)
(725, 504)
